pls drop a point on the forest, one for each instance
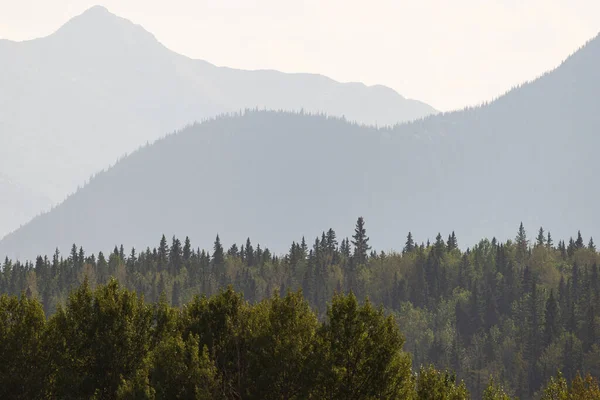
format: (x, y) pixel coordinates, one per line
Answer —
(498, 320)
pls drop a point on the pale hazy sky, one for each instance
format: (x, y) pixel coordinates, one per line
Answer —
(448, 53)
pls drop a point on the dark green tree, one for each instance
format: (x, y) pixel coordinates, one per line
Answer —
(360, 242)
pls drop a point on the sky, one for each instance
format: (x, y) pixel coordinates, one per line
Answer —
(449, 54)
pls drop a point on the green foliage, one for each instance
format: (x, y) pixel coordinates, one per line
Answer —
(439, 385)
(494, 391)
(99, 338)
(360, 355)
(509, 310)
(21, 347)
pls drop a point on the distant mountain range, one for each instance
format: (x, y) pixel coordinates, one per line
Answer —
(98, 88)
(531, 156)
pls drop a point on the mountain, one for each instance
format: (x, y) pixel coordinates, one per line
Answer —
(18, 204)
(530, 156)
(74, 102)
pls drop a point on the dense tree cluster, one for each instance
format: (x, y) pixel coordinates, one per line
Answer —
(109, 343)
(518, 311)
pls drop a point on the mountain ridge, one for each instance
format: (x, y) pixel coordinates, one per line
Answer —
(100, 86)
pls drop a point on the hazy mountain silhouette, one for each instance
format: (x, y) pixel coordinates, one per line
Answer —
(73, 102)
(529, 156)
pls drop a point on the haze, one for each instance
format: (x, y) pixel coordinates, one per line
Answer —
(447, 54)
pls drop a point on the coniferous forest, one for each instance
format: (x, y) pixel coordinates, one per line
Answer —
(331, 319)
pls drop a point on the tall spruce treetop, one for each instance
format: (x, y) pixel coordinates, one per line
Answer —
(187, 249)
(360, 241)
(452, 242)
(579, 242)
(541, 238)
(218, 253)
(591, 244)
(331, 240)
(549, 242)
(163, 251)
(409, 246)
(522, 244)
(439, 246)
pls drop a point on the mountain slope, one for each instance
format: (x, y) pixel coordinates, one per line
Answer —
(73, 102)
(528, 156)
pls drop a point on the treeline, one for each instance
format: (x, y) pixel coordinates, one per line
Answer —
(517, 310)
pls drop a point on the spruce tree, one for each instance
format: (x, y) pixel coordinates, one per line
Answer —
(541, 239)
(522, 244)
(218, 262)
(452, 242)
(579, 242)
(409, 246)
(360, 242)
(549, 241)
(163, 253)
(331, 241)
(187, 249)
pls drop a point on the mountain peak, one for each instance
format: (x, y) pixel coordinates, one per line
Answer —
(94, 15)
(98, 25)
(97, 9)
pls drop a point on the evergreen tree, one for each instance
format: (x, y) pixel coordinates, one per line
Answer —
(360, 242)
(163, 253)
(522, 244)
(452, 242)
(579, 242)
(249, 253)
(187, 249)
(331, 241)
(541, 239)
(549, 242)
(409, 246)
(218, 262)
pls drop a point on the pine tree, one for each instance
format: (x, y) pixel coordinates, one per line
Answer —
(175, 256)
(522, 244)
(591, 244)
(409, 246)
(249, 253)
(218, 262)
(452, 242)
(331, 241)
(360, 242)
(541, 239)
(579, 242)
(549, 241)
(163, 253)
(187, 249)
(439, 246)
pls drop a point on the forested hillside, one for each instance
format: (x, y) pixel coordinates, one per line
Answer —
(517, 310)
(101, 86)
